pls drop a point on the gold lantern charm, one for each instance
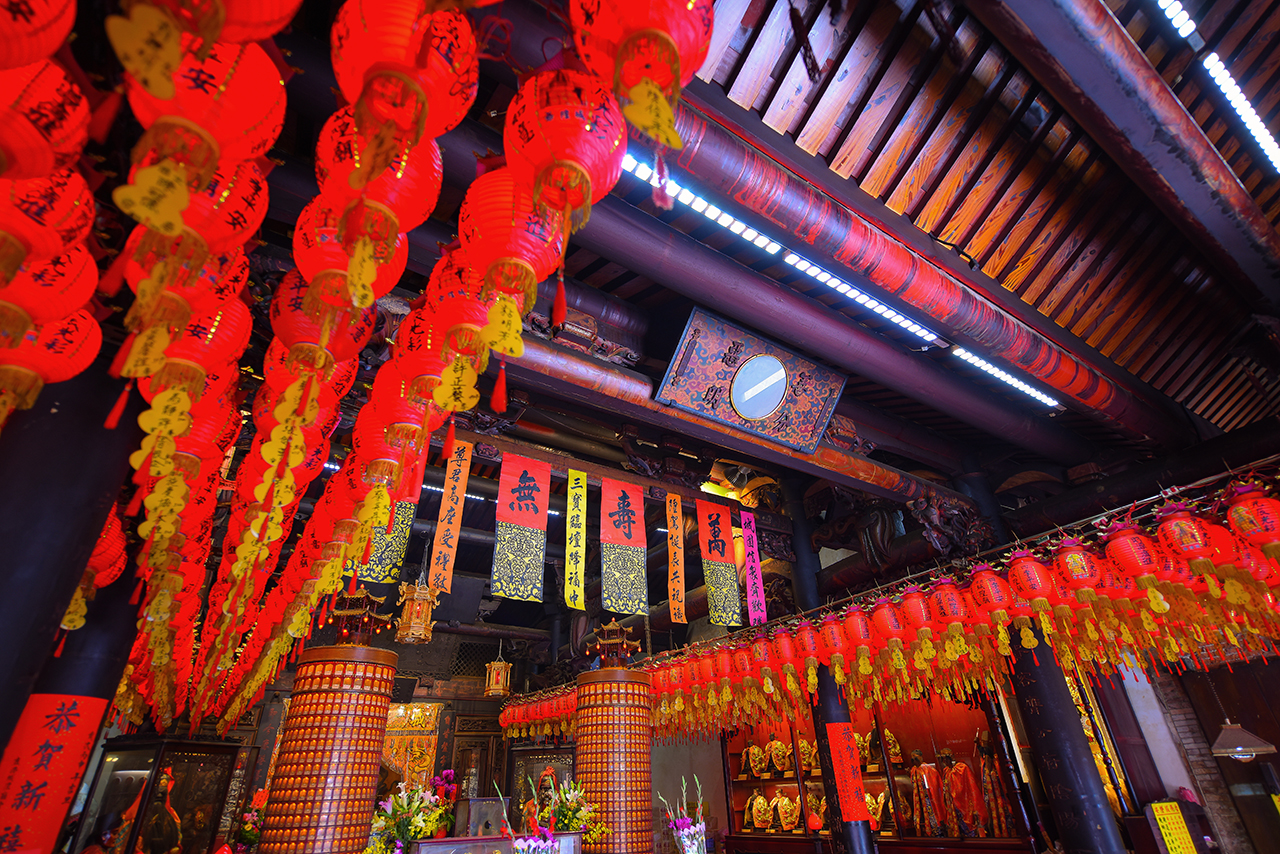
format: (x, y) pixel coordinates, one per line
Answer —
(497, 676)
(415, 620)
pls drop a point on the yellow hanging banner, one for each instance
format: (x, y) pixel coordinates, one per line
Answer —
(575, 541)
(445, 548)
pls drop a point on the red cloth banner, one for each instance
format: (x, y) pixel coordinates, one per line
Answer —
(715, 536)
(847, 765)
(757, 612)
(624, 588)
(520, 536)
(42, 767)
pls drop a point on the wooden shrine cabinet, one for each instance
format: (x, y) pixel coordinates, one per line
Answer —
(920, 763)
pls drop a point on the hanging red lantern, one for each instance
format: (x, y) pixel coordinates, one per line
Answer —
(565, 138)
(52, 353)
(646, 49)
(411, 74)
(762, 660)
(207, 340)
(784, 649)
(914, 608)
(45, 292)
(232, 21)
(45, 121)
(335, 286)
(407, 421)
(889, 624)
(226, 108)
(1254, 516)
(1031, 580)
(1137, 556)
(314, 348)
(858, 631)
(810, 650)
(948, 608)
(1078, 568)
(181, 289)
(399, 199)
(834, 646)
(35, 29)
(108, 558)
(420, 354)
(42, 218)
(1186, 537)
(454, 296)
(510, 245)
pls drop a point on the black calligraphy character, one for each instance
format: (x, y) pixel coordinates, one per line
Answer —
(29, 796)
(733, 355)
(715, 544)
(46, 751)
(19, 9)
(524, 493)
(11, 838)
(200, 79)
(711, 396)
(624, 517)
(64, 718)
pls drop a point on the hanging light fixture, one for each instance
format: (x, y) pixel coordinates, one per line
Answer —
(418, 599)
(1236, 741)
(497, 676)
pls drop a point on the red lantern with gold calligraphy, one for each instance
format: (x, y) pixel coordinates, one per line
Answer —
(42, 218)
(453, 295)
(889, 624)
(510, 245)
(914, 608)
(35, 29)
(46, 292)
(411, 74)
(664, 41)
(1031, 580)
(1255, 517)
(52, 353)
(834, 646)
(762, 659)
(1186, 536)
(45, 118)
(948, 608)
(227, 108)
(314, 347)
(323, 261)
(208, 340)
(992, 594)
(420, 354)
(565, 137)
(861, 636)
(784, 650)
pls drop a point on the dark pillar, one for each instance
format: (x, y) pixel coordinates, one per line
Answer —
(60, 473)
(974, 484)
(59, 727)
(1061, 752)
(854, 837)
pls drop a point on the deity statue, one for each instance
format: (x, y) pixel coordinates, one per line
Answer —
(755, 761)
(892, 748)
(788, 810)
(816, 805)
(779, 753)
(808, 755)
(759, 813)
(541, 800)
(875, 806)
(992, 788)
(162, 833)
(926, 796)
(963, 808)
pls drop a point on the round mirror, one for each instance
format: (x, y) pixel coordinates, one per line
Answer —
(758, 387)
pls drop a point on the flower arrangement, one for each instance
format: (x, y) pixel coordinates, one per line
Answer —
(570, 812)
(250, 830)
(690, 833)
(445, 788)
(409, 815)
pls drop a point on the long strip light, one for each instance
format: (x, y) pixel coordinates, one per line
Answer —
(1186, 27)
(804, 265)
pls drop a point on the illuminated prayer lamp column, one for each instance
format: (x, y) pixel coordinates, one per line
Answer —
(326, 777)
(613, 743)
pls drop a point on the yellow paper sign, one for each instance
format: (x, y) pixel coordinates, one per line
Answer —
(149, 46)
(445, 547)
(502, 334)
(1173, 828)
(650, 112)
(146, 356)
(362, 270)
(156, 197)
(168, 415)
(288, 409)
(575, 541)
(457, 389)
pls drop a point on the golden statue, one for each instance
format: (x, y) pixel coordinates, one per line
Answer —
(814, 802)
(759, 812)
(809, 755)
(788, 811)
(754, 760)
(779, 753)
(875, 806)
(891, 747)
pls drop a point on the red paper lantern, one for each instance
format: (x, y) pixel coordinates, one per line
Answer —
(1255, 517)
(45, 119)
(1186, 536)
(810, 650)
(108, 558)
(1135, 554)
(408, 421)
(314, 348)
(992, 594)
(948, 608)
(915, 611)
(212, 339)
(227, 108)
(400, 199)
(565, 138)
(1078, 568)
(784, 649)
(45, 292)
(52, 353)
(36, 31)
(420, 354)
(411, 75)
(858, 631)
(889, 624)
(42, 218)
(219, 277)
(510, 245)
(664, 41)
(834, 646)
(453, 295)
(762, 660)
(1032, 580)
(324, 263)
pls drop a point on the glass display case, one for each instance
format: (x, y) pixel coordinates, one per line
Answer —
(158, 796)
(933, 774)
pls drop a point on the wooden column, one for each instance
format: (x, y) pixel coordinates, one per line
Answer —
(322, 794)
(613, 744)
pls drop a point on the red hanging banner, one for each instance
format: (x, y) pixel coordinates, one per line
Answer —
(715, 536)
(520, 536)
(624, 588)
(42, 767)
(757, 613)
(445, 548)
(846, 763)
(675, 558)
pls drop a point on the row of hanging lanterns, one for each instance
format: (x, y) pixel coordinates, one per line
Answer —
(1182, 595)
